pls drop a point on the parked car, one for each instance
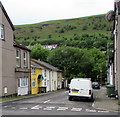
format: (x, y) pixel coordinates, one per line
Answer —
(80, 88)
(95, 85)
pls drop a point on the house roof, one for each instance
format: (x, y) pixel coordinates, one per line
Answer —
(47, 65)
(5, 13)
(33, 64)
(19, 45)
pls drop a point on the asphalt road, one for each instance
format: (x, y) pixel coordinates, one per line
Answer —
(56, 103)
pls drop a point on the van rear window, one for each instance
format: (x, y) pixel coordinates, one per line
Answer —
(80, 84)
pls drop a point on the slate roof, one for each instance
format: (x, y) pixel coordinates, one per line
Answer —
(33, 64)
(47, 65)
(19, 45)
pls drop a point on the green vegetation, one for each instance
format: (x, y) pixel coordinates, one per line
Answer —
(118, 102)
(75, 62)
(86, 32)
(83, 44)
(37, 52)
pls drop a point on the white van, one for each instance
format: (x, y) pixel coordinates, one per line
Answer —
(81, 88)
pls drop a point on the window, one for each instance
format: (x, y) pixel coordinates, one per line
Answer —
(45, 75)
(17, 58)
(25, 59)
(18, 82)
(45, 82)
(2, 34)
(24, 82)
(33, 70)
(33, 83)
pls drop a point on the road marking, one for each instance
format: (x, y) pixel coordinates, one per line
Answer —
(46, 101)
(23, 108)
(47, 108)
(36, 107)
(76, 109)
(51, 107)
(62, 108)
(88, 110)
(103, 111)
(5, 106)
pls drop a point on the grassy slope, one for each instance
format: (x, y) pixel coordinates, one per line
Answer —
(52, 29)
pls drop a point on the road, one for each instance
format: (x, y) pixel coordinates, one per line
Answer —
(55, 103)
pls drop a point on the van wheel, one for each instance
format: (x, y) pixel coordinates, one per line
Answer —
(70, 98)
(92, 99)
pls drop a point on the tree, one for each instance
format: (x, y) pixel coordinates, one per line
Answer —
(75, 62)
(38, 52)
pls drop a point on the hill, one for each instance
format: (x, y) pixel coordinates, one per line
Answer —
(85, 32)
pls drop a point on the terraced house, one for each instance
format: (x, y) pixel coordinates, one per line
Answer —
(36, 78)
(22, 68)
(50, 76)
(117, 46)
(114, 58)
(14, 60)
(7, 55)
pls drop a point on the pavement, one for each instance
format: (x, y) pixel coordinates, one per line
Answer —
(102, 101)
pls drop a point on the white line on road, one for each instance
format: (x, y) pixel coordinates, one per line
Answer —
(103, 111)
(76, 109)
(47, 108)
(62, 108)
(5, 106)
(46, 101)
(36, 107)
(88, 110)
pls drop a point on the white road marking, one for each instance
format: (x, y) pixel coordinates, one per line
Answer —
(62, 108)
(5, 106)
(103, 111)
(47, 108)
(76, 109)
(51, 107)
(88, 110)
(46, 101)
(36, 107)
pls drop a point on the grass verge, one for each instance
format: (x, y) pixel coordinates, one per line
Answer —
(118, 102)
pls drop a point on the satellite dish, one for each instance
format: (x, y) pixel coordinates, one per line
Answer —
(110, 16)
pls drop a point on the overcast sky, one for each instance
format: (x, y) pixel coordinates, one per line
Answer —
(34, 11)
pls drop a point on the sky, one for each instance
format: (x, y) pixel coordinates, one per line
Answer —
(35, 11)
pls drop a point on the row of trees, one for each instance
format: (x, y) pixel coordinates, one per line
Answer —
(74, 62)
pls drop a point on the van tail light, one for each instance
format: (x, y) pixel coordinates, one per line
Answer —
(69, 91)
(90, 92)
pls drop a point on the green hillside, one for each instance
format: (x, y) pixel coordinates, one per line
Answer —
(85, 32)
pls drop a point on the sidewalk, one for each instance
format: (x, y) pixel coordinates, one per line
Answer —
(104, 102)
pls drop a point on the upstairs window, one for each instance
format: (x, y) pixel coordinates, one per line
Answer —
(33, 70)
(17, 58)
(25, 58)
(2, 34)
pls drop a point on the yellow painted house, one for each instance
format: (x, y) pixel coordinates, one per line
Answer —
(36, 78)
